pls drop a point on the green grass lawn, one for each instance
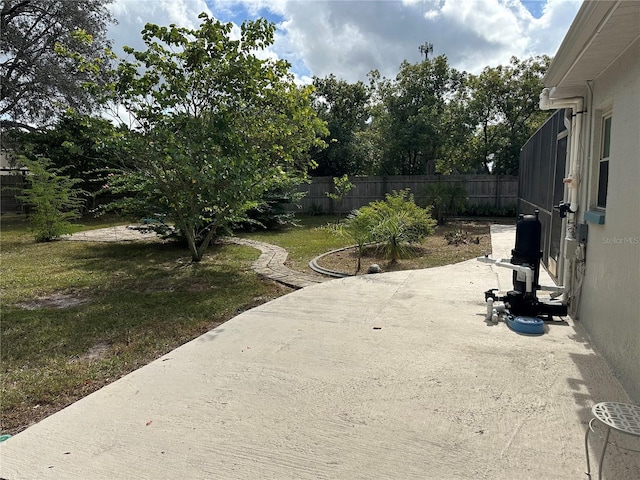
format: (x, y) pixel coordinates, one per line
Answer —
(134, 302)
(313, 237)
(126, 304)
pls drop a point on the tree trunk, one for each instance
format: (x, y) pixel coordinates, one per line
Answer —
(205, 243)
(191, 242)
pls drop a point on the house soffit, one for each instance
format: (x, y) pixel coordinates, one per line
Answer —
(600, 33)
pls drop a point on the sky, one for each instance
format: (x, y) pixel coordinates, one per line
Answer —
(349, 38)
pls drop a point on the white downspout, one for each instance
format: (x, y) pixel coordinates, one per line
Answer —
(576, 104)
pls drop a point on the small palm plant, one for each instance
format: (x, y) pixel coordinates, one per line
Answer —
(400, 223)
(394, 224)
(359, 226)
(395, 237)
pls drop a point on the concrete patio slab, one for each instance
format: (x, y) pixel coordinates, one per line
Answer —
(388, 376)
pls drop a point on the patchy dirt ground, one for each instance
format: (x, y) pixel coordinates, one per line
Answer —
(56, 300)
(451, 243)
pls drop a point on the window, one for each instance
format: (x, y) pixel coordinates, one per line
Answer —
(603, 169)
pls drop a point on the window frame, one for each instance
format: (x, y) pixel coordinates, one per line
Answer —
(604, 161)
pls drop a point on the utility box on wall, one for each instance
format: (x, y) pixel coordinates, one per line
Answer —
(582, 232)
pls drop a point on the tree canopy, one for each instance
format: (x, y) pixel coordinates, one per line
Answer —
(345, 108)
(504, 108)
(432, 118)
(36, 83)
(409, 116)
(215, 126)
(82, 145)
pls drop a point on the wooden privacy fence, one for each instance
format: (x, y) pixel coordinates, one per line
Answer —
(10, 186)
(482, 190)
(490, 190)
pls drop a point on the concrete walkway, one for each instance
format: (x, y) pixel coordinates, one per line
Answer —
(388, 376)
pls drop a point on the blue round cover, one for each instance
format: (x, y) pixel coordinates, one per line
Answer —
(528, 325)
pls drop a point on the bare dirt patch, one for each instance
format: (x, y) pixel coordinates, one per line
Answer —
(56, 300)
(98, 351)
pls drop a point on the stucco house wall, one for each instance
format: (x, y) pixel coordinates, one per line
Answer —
(596, 74)
(609, 304)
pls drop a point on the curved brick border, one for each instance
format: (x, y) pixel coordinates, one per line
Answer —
(270, 264)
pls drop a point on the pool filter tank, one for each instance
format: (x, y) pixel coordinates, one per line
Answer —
(527, 252)
(522, 300)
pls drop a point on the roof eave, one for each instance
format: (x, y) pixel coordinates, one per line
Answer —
(589, 20)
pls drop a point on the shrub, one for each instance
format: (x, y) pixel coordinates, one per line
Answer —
(315, 210)
(394, 223)
(486, 210)
(342, 186)
(446, 199)
(52, 198)
(278, 206)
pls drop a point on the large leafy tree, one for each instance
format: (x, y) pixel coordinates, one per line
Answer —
(410, 115)
(504, 108)
(36, 83)
(344, 106)
(457, 125)
(215, 125)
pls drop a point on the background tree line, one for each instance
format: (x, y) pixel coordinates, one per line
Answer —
(211, 136)
(429, 119)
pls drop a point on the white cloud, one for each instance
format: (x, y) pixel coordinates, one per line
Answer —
(556, 18)
(351, 38)
(132, 15)
(431, 14)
